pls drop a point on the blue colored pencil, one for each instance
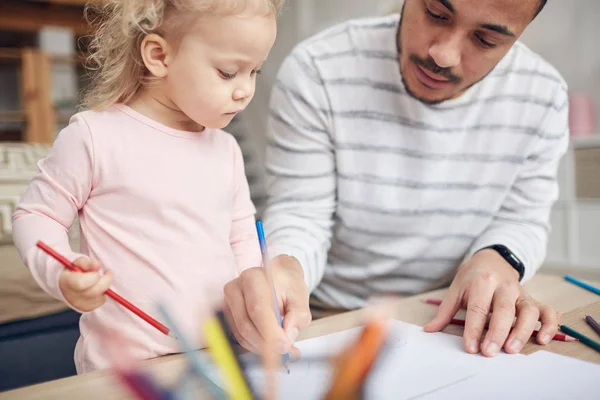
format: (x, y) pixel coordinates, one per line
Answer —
(582, 284)
(194, 359)
(265, 255)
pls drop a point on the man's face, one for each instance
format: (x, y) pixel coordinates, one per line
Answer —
(446, 46)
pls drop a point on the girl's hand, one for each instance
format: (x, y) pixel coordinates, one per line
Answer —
(84, 291)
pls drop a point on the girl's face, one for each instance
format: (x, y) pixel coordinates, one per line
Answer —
(212, 76)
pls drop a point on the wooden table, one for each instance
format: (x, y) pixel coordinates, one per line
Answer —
(570, 300)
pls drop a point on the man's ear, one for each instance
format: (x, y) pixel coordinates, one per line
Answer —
(156, 54)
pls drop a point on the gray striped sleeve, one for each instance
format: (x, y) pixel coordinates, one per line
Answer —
(300, 168)
(522, 222)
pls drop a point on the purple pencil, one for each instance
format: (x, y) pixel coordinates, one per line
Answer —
(593, 323)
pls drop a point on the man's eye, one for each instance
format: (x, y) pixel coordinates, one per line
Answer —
(484, 42)
(435, 16)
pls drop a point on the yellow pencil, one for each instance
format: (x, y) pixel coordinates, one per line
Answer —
(224, 357)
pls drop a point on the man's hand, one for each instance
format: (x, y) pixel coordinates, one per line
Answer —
(488, 283)
(85, 290)
(249, 305)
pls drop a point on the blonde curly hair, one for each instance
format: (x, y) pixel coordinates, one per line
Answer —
(115, 62)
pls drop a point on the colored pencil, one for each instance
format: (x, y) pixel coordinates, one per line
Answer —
(593, 323)
(265, 256)
(435, 302)
(355, 363)
(461, 322)
(195, 361)
(559, 336)
(226, 328)
(143, 386)
(110, 293)
(225, 358)
(582, 338)
(582, 284)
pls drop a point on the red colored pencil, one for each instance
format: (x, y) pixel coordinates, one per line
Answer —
(559, 336)
(162, 328)
(435, 302)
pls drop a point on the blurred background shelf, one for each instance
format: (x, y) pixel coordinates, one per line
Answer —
(35, 15)
(41, 67)
(12, 116)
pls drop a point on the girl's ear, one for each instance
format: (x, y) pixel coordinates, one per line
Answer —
(155, 52)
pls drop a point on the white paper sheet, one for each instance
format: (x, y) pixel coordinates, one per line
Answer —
(429, 366)
(414, 364)
(541, 375)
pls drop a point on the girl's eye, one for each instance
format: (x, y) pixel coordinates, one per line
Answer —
(256, 72)
(226, 75)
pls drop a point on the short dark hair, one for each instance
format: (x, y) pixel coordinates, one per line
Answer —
(540, 7)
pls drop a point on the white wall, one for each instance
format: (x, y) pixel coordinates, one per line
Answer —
(566, 34)
(299, 20)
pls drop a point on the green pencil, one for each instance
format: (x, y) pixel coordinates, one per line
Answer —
(582, 338)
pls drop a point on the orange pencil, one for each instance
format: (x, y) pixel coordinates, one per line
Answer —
(354, 364)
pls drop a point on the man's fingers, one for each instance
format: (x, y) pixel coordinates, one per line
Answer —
(240, 339)
(297, 313)
(295, 353)
(245, 331)
(258, 298)
(445, 312)
(527, 317)
(478, 308)
(502, 319)
(549, 326)
(295, 320)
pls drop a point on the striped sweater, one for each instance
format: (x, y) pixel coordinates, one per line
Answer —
(376, 193)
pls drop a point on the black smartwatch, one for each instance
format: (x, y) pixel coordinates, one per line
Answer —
(509, 257)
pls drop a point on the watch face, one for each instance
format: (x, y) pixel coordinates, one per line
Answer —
(510, 258)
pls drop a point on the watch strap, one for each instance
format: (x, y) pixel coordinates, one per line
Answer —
(510, 258)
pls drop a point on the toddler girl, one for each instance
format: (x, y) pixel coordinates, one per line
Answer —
(159, 189)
